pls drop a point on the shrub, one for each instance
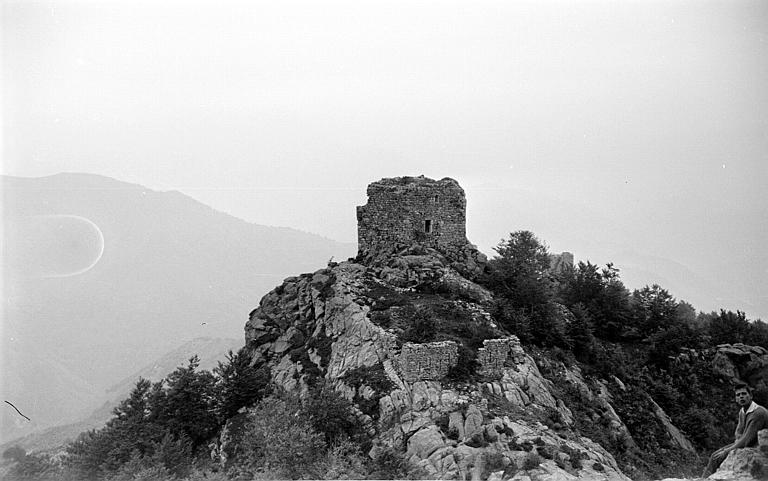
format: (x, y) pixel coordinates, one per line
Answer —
(494, 461)
(466, 365)
(391, 464)
(331, 414)
(279, 438)
(15, 453)
(547, 452)
(344, 460)
(374, 377)
(532, 461)
(422, 329)
(34, 467)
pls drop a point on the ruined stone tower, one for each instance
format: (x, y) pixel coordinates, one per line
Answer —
(408, 210)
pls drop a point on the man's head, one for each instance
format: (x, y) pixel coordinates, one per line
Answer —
(743, 395)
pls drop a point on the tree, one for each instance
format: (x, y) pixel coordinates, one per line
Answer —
(758, 334)
(239, 384)
(154, 431)
(187, 404)
(654, 309)
(520, 272)
(580, 331)
(601, 294)
(128, 434)
(666, 343)
(520, 276)
(729, 327)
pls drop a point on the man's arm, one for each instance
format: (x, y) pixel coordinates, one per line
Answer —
(739, 426)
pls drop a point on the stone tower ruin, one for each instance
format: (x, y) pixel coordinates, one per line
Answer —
(408, 210)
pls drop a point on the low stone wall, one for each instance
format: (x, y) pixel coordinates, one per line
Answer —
(496, 354)
(431, 361)
(427, 362)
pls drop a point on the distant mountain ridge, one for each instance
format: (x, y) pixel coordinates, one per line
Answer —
(172, 269)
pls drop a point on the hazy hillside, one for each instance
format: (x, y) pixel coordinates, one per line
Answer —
(209, 351)
(172, 269)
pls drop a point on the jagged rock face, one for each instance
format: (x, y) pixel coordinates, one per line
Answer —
(316, 325)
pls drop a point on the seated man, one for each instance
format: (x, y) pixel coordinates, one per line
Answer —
(752, 418)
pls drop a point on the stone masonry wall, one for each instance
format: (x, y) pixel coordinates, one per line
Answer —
(558, 262)
(427, 362)
(404, 210)
(496, 354)
(431, 361)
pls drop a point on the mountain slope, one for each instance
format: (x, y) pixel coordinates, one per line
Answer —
(210, 352)
(171, 269)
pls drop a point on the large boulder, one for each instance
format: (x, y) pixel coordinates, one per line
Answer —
(742, 362)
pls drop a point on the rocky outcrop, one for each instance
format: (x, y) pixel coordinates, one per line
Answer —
(742, 362)
(675, 434)
(321, 325)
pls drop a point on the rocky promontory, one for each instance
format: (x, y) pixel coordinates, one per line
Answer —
(352, 317)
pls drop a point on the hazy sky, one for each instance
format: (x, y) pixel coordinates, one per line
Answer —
(645, 121)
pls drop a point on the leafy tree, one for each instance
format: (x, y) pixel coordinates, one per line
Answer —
(601, 294)
(758, 334)
(687, 313)
(157, 428)
(186, 406)
(580, 332)
(239, 384)
(729, 327)
(127, 434)
(654, 309)
(520, 272)
(520, 276)
(666, 344)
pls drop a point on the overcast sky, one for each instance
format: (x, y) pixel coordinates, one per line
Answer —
(638, 124)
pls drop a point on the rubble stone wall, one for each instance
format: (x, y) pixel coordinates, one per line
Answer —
(431, 361)
(427, 362)
(404, 210)
(496, 354)
(558, 262)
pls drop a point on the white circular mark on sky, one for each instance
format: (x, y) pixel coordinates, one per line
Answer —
(51, 246)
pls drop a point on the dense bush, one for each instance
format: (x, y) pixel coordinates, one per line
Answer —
(331, 414)
(280, 440)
